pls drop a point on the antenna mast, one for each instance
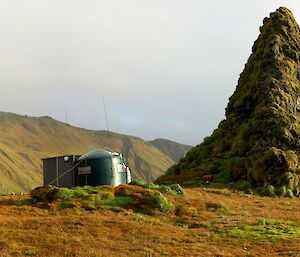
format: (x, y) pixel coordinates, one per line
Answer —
(104, 107)
(66, 116)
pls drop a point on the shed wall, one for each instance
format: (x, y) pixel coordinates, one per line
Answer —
(55, 167)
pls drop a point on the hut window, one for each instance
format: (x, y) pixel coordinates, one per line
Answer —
(121, 167)
(84, 170)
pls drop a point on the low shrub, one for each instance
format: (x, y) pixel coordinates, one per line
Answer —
(270, 190)
(64, 193)
(220, 191)
(223, 177)
(191, 183)
(296, 191)
(30, 252)
(260, 191)
(215, 206)
(80, 192)
(143, 184)
(146, 219)
(158, 201)
(165, 189)
(41, 194)
(182, 210)
(89, 205)
(129, 190)
(3, 193)
(289, 193)
(144, 200)
(242, 185)
(66, 204)
(23, 202)
(282, 191)
(120, 201)
(249, 191)
(175, 189)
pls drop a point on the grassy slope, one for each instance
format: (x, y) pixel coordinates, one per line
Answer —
(25, 140)
(212, 222)
(172, 149)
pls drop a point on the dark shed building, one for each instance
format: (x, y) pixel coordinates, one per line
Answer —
(58, 171)
(97, 167)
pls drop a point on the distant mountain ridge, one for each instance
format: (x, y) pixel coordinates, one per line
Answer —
(174, 150)
(25, 140)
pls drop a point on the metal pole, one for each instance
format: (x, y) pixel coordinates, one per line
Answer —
(105, 115)
(86, 174)
(66, 113)
(57, 171)
(107, 125)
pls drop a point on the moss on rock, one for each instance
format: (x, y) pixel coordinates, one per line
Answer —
(259, 141)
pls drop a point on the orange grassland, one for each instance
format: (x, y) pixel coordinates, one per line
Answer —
(200, 227)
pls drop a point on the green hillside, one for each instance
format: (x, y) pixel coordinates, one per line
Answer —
(259, 141)
(170, 148)
(25, 140)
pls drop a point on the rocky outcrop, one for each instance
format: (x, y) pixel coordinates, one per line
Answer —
(259, 141)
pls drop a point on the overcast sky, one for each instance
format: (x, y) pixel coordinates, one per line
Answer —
(166, 68)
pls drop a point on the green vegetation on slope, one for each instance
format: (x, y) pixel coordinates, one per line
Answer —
(264, 229)
(25, 140)
(258, 141)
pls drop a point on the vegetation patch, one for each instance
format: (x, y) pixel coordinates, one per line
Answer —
(213, 206)
(53, 193)
(264, 229)
(146, 219)
(147, 199)
(3, 193)
(30, 252)
(23, 202)
(172, 188)
(220, 191)
(120, 201)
